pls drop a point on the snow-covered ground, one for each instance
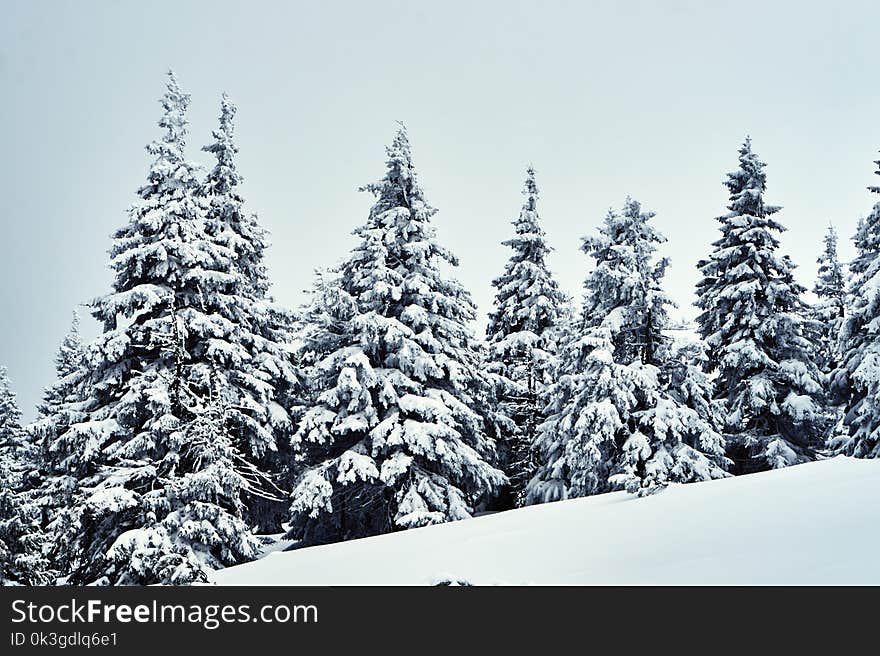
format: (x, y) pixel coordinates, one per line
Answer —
(817, 523)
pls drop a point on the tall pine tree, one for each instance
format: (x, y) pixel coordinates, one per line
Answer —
(400, 433)
(753, 320)
(829, 310)
(21, 540)
(257, 379)
(69, 362)
(148, 506)
(628, 411)
(522, 333)
(856, 382)
(62, 405)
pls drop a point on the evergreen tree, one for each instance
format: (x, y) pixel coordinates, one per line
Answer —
(400, 433)
(69, 361)
(830, 309)
(227, 220)
(856, 382)
(21, 540)
(170, 323)
(628, 410)
(258, 379)
(198, 524)
(753, 321)
(60, 398)
(522, 332)
(11, 435)
(62, 405)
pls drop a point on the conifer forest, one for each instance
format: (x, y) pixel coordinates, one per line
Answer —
(206, 416)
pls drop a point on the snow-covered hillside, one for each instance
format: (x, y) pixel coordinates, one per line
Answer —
(817, 523)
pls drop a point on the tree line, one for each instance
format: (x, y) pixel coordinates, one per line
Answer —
(206, 416)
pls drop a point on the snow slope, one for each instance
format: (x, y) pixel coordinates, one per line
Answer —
(817, 523)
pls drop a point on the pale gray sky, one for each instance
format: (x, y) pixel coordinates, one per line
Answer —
(606, 98)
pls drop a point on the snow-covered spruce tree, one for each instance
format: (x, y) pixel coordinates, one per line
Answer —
(200, 520)
(521, 334)
(227, 219)
(753, 321)
(400, 434)
(688, 384)
(856, 382)
(829, 310)
(148, 507)
(69, 361)
(11, 434)
(258, 379)
(61, 397)
(627, 411)
(61, 406)
(21, 540)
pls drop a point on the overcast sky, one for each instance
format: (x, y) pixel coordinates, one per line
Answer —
(605, 98)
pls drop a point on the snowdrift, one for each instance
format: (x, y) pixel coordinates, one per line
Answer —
(817, 523)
